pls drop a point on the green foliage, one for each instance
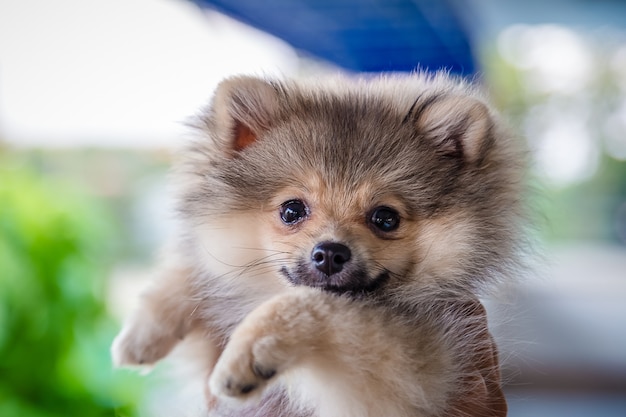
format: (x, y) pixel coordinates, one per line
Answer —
(593, 207)
(54, 328)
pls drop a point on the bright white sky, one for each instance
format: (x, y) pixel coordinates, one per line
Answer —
(118, 72)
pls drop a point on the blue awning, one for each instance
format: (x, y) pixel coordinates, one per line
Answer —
(363, 35)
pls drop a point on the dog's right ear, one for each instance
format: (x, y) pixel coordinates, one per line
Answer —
(459, 126)
(243, 109)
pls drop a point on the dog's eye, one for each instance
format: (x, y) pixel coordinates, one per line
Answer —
(385, 219)
(292, 211)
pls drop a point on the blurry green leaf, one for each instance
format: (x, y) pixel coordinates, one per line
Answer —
(54, 330)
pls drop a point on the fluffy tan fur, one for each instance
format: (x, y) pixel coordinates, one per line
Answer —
(415, 182)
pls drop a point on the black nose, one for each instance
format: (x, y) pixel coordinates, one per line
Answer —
(329, 257)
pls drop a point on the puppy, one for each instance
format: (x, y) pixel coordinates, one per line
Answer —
(336, 236)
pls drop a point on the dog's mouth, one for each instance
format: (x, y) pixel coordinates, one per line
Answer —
(347, 282)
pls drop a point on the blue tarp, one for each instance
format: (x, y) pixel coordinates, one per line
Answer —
(363, 35)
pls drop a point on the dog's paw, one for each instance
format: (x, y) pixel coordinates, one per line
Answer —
(245, 368)
(141, 344)
(279, 335)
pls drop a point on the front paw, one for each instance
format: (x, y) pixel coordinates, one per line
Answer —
(277, 336)
(140, 344)
(246, 367)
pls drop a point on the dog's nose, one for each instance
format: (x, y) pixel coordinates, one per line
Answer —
(330, 257)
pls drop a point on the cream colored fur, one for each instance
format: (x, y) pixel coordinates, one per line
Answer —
(401, 331)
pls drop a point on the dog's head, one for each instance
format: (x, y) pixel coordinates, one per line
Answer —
(351, 185)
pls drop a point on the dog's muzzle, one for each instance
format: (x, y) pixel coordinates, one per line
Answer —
(331, 267)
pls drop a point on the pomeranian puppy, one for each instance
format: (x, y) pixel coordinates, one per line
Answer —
(336, 237)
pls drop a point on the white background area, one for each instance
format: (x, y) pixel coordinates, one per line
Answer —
(118, 72)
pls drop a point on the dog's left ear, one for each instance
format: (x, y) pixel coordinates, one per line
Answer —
(243, 109)
(458, 126)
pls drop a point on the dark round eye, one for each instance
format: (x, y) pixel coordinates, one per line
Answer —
(292, 211)
(385, 219)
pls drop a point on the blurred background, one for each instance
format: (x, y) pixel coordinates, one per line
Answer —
(93, 99)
